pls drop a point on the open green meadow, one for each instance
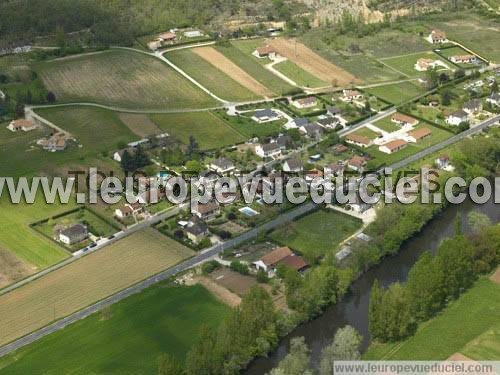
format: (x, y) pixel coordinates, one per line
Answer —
(298, 75)
(121, 78)
(366, 132)
(397, 93)
(406, 63)
(387, 125)
(468, 325)
(24, 242)
(209, 76)
(317, 233)
(209, 130)
(127, 337)
(98, 130)
(248, 46)
(252, 66)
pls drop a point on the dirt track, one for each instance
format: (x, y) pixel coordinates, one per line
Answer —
(221, 62)
(496, 276)
(311, 62)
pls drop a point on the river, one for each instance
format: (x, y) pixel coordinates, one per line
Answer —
(353, 309)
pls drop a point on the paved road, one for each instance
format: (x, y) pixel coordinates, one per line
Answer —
(207, 254)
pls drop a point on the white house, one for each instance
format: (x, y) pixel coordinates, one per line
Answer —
(443, 161)
(266, 51)
(358, 140)
(457, 117)
(292, 165)
(307, 102)
(473, 106)
(268, 150)
(73, 234)
(269, 261)
(419, 134)
(463, 59)
(351, 95)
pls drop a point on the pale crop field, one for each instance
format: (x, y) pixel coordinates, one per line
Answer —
(86, 281)
(121, 78)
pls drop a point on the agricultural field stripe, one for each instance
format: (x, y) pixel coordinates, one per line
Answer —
(138, 287)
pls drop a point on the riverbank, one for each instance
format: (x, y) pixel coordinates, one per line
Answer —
(353, 309)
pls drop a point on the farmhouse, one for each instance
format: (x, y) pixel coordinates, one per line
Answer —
(473, 106)
(419, 134)
(307, 102)
(21, 124)
(270, 260)
(266, 51)
(351, 95)
(222, 166)
(265, 115)
(358, 140)
(293, 165)
(167, 37)
(357, 163)
(294, 262)
(494, 99)
(463, 59)
(73, 234)
(437, 36)
(313, 131)
(268, 150)
(56, 142)
(457, 117)
(196, 230)
(206, 211)
(393, 146)
(403, 120)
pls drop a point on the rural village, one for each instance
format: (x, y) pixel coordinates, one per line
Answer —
(199, 104)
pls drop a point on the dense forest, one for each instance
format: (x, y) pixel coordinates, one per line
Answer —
(119, 21)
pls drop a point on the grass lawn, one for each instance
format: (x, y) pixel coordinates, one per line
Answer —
(252, 66)
(485, 347)
(298, 75)
(406, 63)
(248, 46)
(387, 125)
(209, 131)
(209, 76)
(315, 234)
(25, 243)
(397, 93)
(128, 337)
(249, 128)
(365, 132)
(121, 78)
(90, 279)
(97, 226)
(453, 51)
(454, 330)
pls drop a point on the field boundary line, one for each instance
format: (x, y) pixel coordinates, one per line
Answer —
(390, 67)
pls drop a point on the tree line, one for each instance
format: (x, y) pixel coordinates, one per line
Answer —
(434, 280)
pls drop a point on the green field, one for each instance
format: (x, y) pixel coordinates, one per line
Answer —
(453, 51)
(209, 76)
(249, 128)
(127, 338)
(366, 132)
(316, 234)
(121, 78)
(252, 66)
(248, 46)
(25, 243)
(474, 314)
(406, 63)
(397, 93)
(387, 125)
(98, 130)
(209, 131)
(298, 75)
